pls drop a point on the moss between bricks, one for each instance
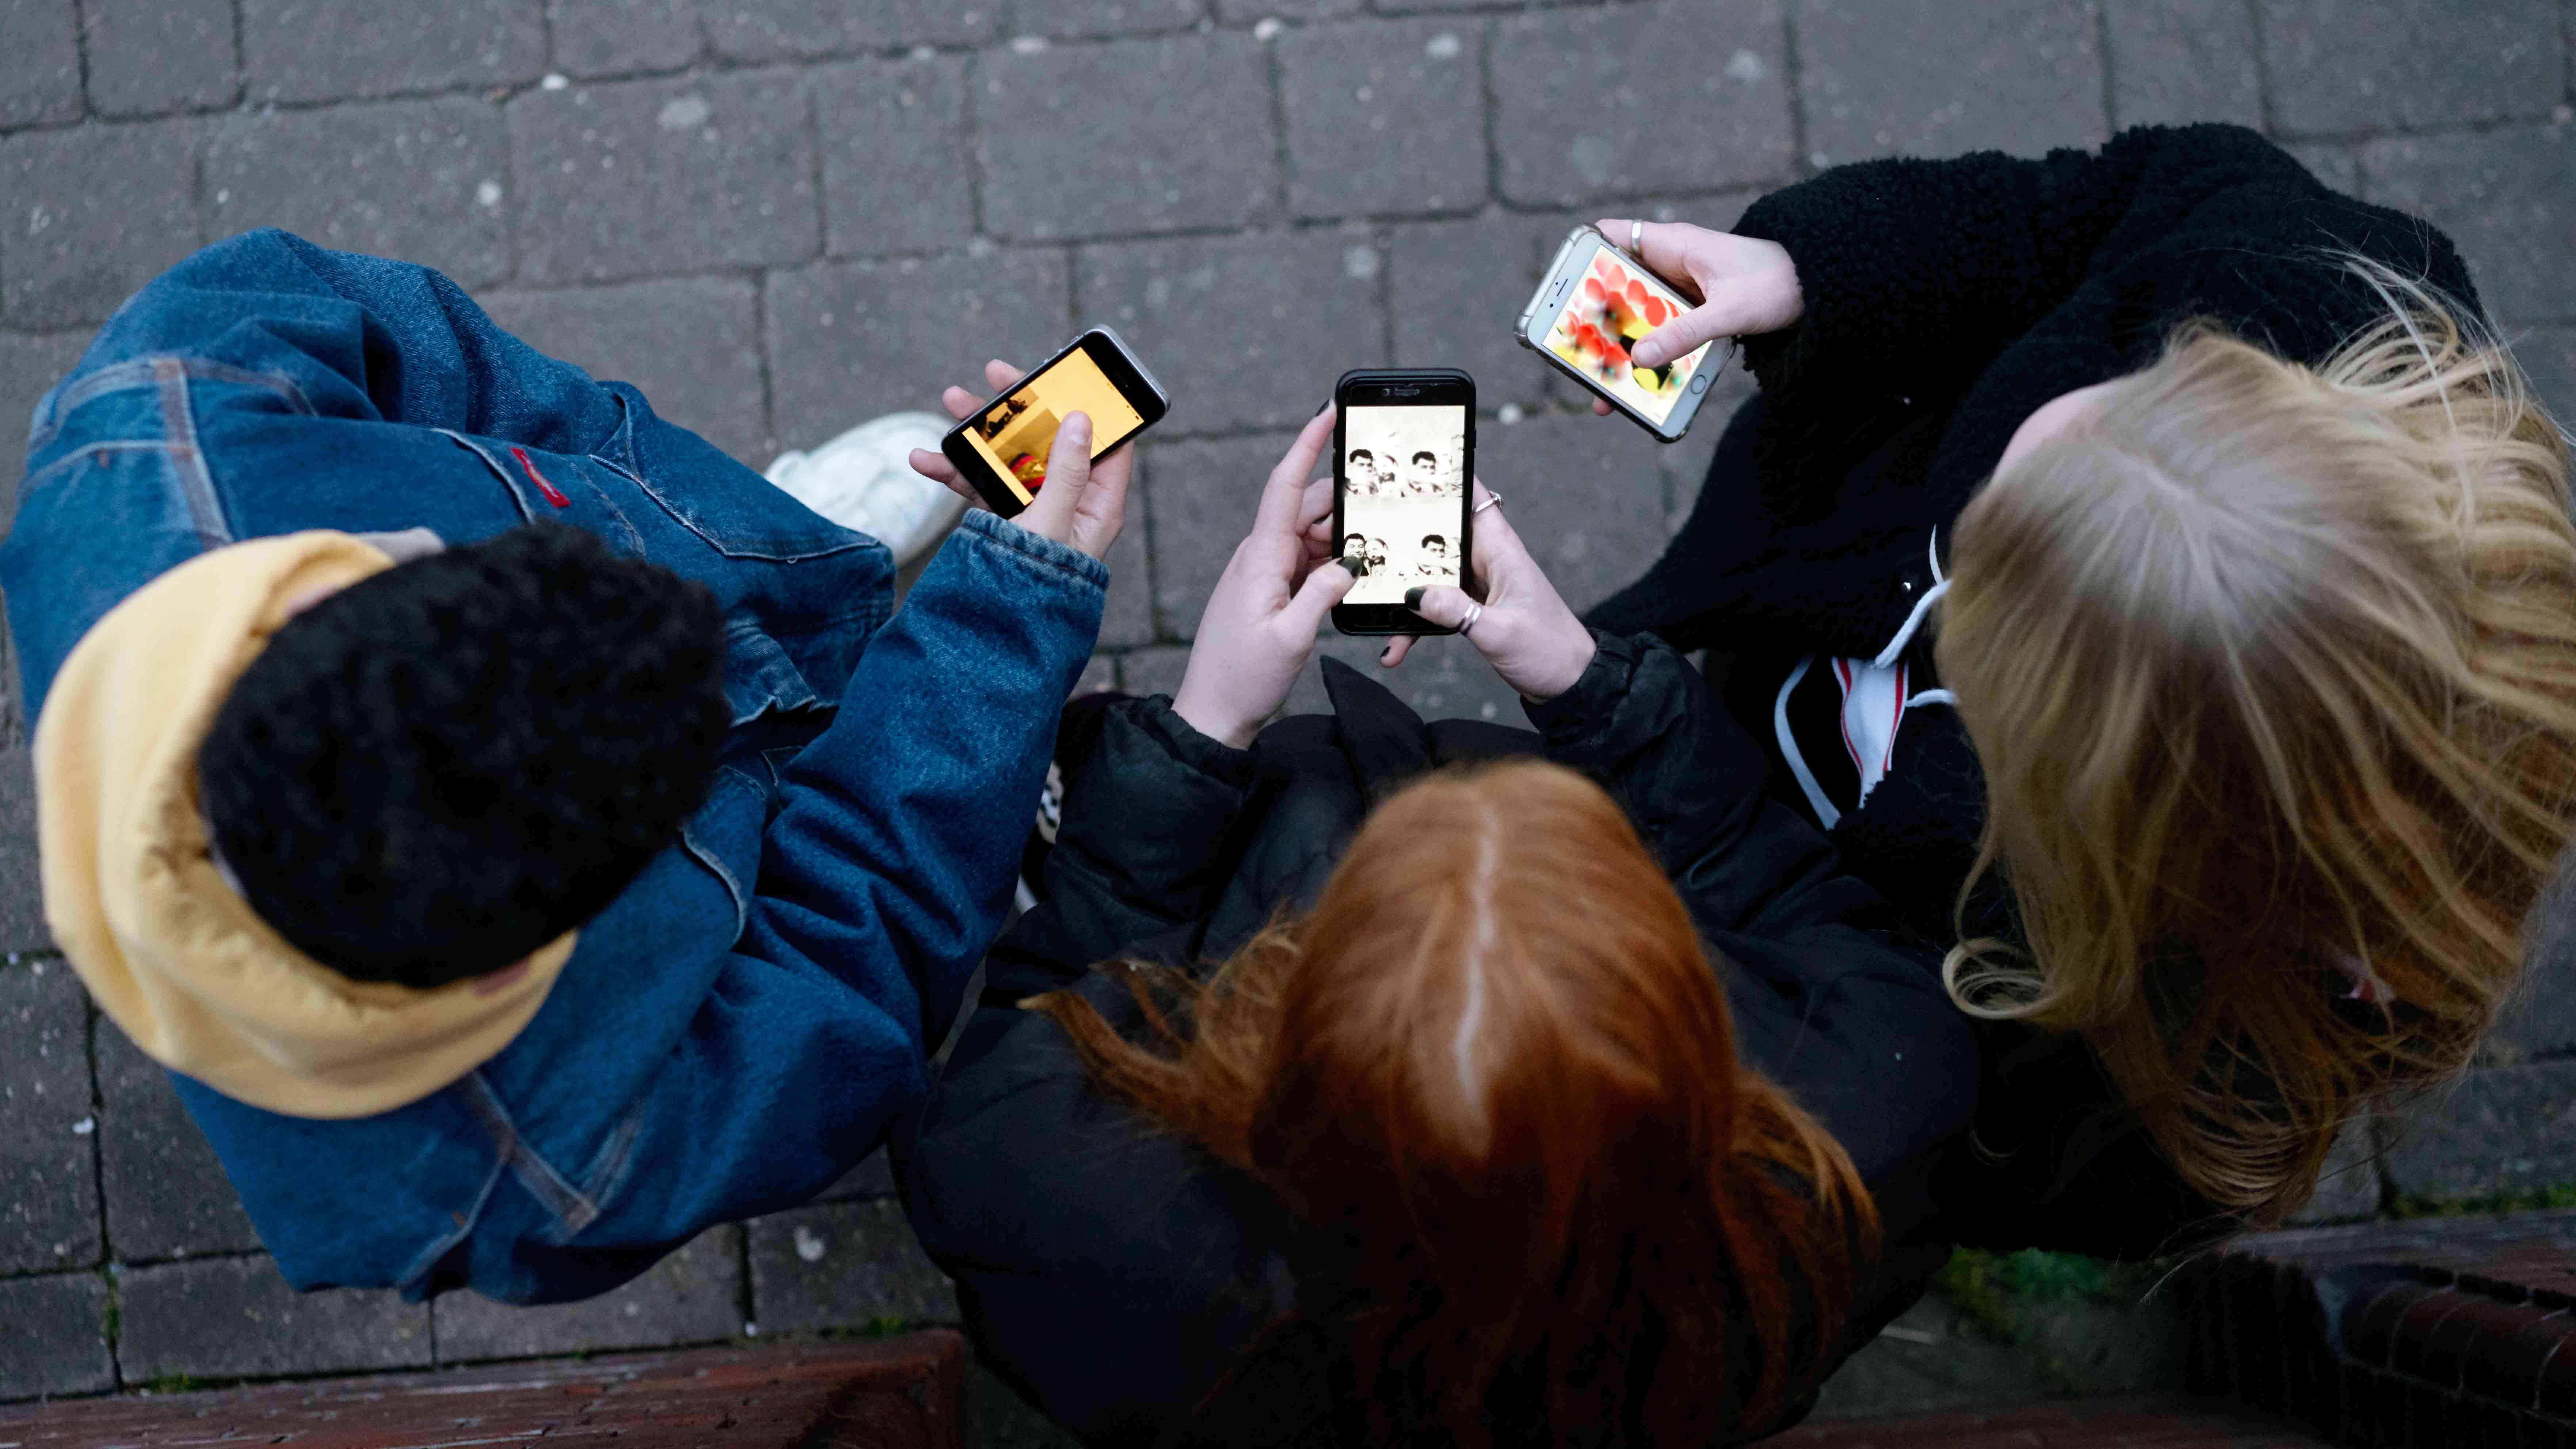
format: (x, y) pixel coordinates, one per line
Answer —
(2523, 1200)
(1998, 1292)
(2002, 1295)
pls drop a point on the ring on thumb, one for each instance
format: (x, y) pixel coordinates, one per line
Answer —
(1441, 604)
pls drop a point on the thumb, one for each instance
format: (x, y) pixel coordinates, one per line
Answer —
(1439, 603)
(1068, 469)
(1324, 587)
(1720, 316)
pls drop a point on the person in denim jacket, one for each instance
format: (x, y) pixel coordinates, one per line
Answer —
(271, 421)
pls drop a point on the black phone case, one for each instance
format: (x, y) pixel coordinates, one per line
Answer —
(1372, 620)
(970, 466)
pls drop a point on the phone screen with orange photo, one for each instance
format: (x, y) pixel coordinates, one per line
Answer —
(1615, 304)
(1016, 431)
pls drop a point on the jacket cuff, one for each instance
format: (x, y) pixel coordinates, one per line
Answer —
(1045, 551)
(1215, 759)
(1773, 356)
(1587, 707)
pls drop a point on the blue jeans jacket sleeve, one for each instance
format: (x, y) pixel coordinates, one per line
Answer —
(888, 869)
(742, 1024)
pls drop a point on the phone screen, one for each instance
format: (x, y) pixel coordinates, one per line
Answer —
(1016, 431)
(1403, 476)
(1615, 304)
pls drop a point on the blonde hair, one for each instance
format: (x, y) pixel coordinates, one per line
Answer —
(2272, 672)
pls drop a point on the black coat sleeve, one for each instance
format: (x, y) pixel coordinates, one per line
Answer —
(1828, 1002)
(1915, 270)
(1643, 724)
(1140, 851)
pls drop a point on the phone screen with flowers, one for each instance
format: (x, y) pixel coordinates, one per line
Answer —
(1615, 303)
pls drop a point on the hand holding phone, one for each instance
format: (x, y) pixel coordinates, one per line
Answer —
(1610, 320)
(1748, 286)
(1004, 449)
(1258, 629)
(1522, 625)
(1087, 507)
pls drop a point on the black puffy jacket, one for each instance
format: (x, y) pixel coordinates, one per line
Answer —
(1945, 302)
(1116, 1274)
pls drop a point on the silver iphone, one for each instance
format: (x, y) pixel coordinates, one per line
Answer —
(1593, 304)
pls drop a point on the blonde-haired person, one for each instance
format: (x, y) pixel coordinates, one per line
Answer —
(1427, 1095)
(2243, 734)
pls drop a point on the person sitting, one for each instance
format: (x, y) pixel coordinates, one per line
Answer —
(443, 769)
(2243, 735)
(1488, 1114)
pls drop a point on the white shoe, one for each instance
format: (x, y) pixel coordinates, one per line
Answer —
(863, 479)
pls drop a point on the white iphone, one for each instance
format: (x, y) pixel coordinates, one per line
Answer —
(1592, 305)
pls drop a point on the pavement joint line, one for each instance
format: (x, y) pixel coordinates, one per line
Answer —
(811, 120)
(22, 1275)
(91, 1025)
(760, 364)
(1274, 92)
(746, 1304)
(1490, 99)
(1792, 81)
(970, 129)
(513, 245)
(2487, 126)
(241, 55)
(117, 1267)
(2110, 84)
(80, 55)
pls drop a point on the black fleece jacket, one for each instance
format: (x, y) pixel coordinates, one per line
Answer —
(1137, 1290)
(1945, 302)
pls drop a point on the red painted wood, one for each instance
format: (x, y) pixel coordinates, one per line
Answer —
(881, 1394)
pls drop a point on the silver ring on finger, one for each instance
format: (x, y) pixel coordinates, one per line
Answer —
(1475, 611)
(1637, 236)
(1491, 499)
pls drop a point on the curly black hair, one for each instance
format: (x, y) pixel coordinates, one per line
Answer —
(434, 772)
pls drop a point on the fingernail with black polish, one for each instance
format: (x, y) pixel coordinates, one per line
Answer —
(1386, 654)
(1327, 407)
(1413, 598)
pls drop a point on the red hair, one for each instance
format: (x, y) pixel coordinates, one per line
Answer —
(1497, 1058)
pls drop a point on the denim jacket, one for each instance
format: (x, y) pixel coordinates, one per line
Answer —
(738, 1028)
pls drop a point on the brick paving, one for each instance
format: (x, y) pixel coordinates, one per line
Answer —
(782, 217)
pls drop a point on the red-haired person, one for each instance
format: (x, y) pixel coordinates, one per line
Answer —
(1362, 1081)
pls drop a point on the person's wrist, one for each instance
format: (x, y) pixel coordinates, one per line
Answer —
(1559, 662)
(1212, 718)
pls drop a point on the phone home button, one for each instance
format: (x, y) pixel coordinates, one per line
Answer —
(1699, 383)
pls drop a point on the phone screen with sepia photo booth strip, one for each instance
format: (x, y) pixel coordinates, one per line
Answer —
(1403, 476)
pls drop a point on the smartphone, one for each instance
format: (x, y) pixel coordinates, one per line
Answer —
(1593, 304)
(1404, 448)
(1002, 447)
